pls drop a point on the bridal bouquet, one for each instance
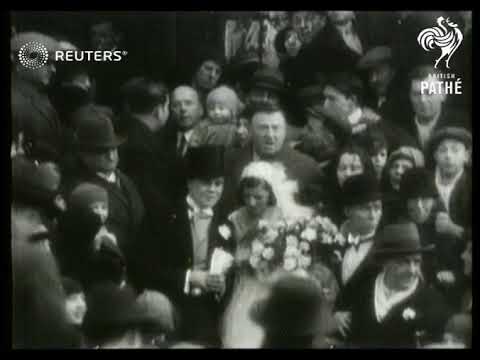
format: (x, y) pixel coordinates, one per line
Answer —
(294, 246)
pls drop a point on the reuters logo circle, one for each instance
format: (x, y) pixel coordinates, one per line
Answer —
(33, 55)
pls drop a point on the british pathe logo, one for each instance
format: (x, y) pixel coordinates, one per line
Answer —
(446, 36)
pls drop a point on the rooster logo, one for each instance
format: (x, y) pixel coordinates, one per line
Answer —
(447, 39)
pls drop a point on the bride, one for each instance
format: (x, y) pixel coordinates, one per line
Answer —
(267, 195)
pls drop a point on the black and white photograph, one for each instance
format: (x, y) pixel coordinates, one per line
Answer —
(241, 179)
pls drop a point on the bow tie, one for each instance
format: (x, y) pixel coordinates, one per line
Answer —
(356, 241)
(200, 213)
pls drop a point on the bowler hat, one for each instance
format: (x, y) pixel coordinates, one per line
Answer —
(400, 239)
(34, 184)
(360, 189)
(374, 57)
(269, 78)
(111, 309)
(94, 129)
(205, 162)
(294, 307)
(450, 132)
(417, 183)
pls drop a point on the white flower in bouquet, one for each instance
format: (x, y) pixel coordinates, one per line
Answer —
(301, 272)
(257, 247)
(340, 239)
(268, 253)
(271, 236)
(409, 314)
(292, 240)
(309, 234)
(326, 238)
(304, 246)
(304, 261)
(225, 231)
(291, 251)
(254, 261)
(262, 224)
(290, 264)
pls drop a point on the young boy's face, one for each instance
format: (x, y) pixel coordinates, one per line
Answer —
(76, 308)
(218, 113)
(397, 169)
(379, 160)
(451, 156)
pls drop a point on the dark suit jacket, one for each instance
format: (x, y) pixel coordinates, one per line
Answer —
(161, 263)
(126, 209)
(394, 331)
(298, 167)
(34, 115)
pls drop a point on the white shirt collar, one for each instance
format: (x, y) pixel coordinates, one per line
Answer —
(193, 208)
(112, 178)
(354, 117)
(384, 302)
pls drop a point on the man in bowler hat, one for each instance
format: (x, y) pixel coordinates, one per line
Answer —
(394, 306)
(177, 262)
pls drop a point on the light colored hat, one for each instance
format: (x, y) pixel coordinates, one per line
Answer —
(409, 153)
(227, 97)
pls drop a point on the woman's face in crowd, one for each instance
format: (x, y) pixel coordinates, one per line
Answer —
(104, 162)
(208, 75)
(256, 200)
(348, 166)
(402, 272)
(219, 113)
(206, 193)
(451, 156)
(101, 209)
(292, 43)
(397, 169)
(467, 259)
(419, 209)
(379, 160)
(76, 308)
(364, 218)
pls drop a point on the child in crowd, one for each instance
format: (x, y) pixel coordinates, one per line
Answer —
(75, 303)
(375, 143)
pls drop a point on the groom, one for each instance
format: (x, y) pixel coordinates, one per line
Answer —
(178, 263)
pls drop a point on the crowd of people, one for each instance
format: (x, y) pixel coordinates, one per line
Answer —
(135, 206)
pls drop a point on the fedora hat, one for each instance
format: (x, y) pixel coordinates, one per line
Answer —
(400, 239)
(360, 189)
(205, 162)
(291, 294)
(94, 130)
(270, 79)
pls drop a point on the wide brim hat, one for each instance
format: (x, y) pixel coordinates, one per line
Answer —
(111, 308)
(205, 162)
(450, 132)
(360, 189)
(94, 129)
(294, 307)
(270, 79)
(35, 184)
(400, 239)
(374, 57)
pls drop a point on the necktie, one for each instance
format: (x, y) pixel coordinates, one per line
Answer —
(182, 147)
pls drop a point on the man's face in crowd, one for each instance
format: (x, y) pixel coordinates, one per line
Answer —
(348, 166)
(365, 218)
(103, 37)
(336, 105)
(27, 222)
(451, 156)
(268, 132)
(419, 209)
(206, 193)
(105, 161)
(379, 160)
(256, 200)
(397, 169)
(293, 43)
(307, 24)
(76, 307)
(208, 75)
(425, 106)
(403, 271)
(467, 259)
(380, 78)
(186, 107)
